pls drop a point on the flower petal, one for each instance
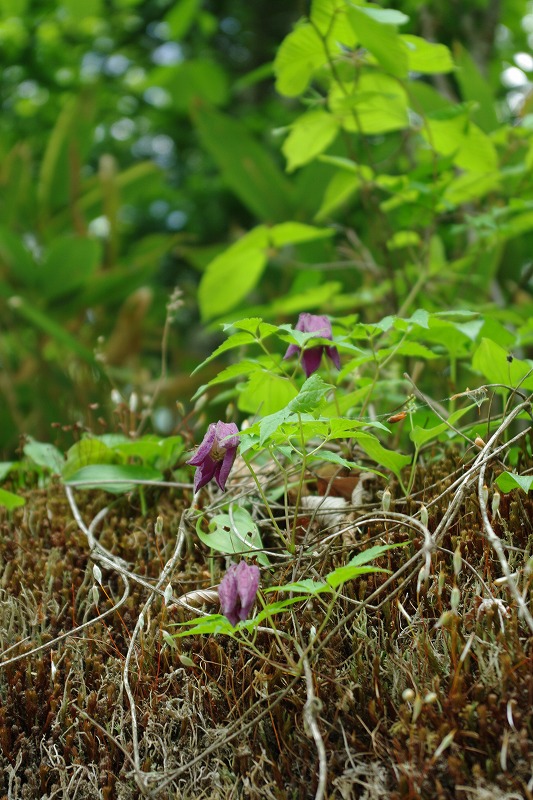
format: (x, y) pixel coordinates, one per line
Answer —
(333, 354)
(223, 468)
(204, 472)
(247, 585)
(228, 594)
(205, 448)
(311, 360)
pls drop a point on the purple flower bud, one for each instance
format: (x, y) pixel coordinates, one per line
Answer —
(215, 456)
(313, 323)
(237, 591)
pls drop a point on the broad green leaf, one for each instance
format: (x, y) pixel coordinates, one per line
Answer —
(114, 478)
(246, 167)
(299, 55)
(340, 189)
(181, 17)
(474, 87)
(508, 481)
(16, 260)
(309, 136)
(385, 16)
(427, 57)
(458, 137)
(234, 533)
(376, 104)
(44, 455)
(381, 39)
(6, 467)
(68, 265)
(233, 274)
(493, 362)
(419, 436)
(85, 452)
(265, 393)
(403, 239)
(10, 500)
(310, 395)
(289, 233)
(389, 459)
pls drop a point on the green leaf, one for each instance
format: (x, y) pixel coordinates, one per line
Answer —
(44, 455)
(456, 136)
(290, 233)
(181, 17)
(246, 167)
(69, 264)
(234, 533)
(389, 459)
(10, 500)
(114, 478)
(492, 361)
(265, 393)
(475, 88)
(419, 436)
(85, 452)
(233, 274)
(508, 481)
(6, 467)
(427, 57)
(309, 136)
(339, 190)
(380, 38)
(376, 104)
(310, 395)
(299, 55)
(16, 260)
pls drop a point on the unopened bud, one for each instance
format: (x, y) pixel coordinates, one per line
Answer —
(496, 497)
(478, 441)
(168, 594)
(457, 560)
(442, 579)
(158, 527)
(386, 500)
(424, 516)
(116, 397)
(485, 494)
(134, 402)
(455, 598)
(408, 695)
(97, 573)
(430, 697)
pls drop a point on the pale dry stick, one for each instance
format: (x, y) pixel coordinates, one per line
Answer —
(312, 709)
(110, 561)
(73, 632)
(141, 777)
(496, 544)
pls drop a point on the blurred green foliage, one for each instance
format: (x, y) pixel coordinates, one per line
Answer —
(140, 138)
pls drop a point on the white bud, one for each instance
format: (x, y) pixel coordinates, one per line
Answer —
(455, 598)
(424, 516)
(97, 574)
(96, 595)
(496, 497)
(134, 402)
(386, 500)
(168, 594)
(116, 397)
(457, 560)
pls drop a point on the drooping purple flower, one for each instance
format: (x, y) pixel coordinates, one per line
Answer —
(215, 456)
(237, 591)
(311, 357)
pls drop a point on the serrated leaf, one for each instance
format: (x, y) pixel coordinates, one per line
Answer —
(309, 136)
(385, 458)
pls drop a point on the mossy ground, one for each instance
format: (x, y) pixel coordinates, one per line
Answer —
(423, 692)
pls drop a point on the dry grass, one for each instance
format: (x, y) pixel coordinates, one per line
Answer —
(417, 684)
